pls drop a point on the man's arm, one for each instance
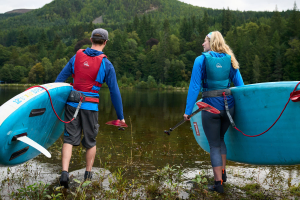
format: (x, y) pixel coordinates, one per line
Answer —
(115, 95)
(67, 71)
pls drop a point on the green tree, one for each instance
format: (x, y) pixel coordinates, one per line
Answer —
(42, 52)
(174, 44)
(22, 40)
(6, 73)
(18, 73)
(226, 21)
(43, 40)
(293, 23)
(138, 75)
(36, 74)
(58, 65)
(256, 69)
(276, 22)
(4, 55)
(151, 82)
(136, 23)
(49, 77)
(292, 70)
(277, 58)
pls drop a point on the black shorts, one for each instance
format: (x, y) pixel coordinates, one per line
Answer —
(86, 122)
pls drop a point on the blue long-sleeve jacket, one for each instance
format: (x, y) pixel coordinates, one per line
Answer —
(196, 85)
(106, 74)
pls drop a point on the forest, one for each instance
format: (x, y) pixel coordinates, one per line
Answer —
(151, 43)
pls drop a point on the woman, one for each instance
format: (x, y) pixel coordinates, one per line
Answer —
(214, 71)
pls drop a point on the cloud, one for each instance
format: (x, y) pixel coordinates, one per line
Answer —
(7, 5)
(254, 5)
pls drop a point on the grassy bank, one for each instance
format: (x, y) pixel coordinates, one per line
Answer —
(165, 183)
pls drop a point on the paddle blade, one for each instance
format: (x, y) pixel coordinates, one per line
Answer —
(295, 96)
(118, 123)
(208, 108)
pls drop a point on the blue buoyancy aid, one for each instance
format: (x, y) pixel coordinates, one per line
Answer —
(217, 72)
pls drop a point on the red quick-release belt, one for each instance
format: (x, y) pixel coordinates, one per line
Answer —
(91, 99)
(76, 96)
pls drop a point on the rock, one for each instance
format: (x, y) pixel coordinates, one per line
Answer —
(98, 20)
(99, 174)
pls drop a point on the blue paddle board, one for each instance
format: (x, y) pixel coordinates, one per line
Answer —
(257, 106)
(30, 114)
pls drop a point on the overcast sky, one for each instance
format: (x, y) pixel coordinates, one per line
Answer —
(255, 5)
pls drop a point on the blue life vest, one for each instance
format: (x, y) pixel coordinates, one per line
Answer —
(217, 72)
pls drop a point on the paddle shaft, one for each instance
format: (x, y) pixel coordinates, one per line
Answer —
(182, 121)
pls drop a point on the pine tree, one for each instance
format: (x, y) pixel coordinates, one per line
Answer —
(256, 70)
(293, 23)
(276, 22)
(203, 27)
(22, 40)
(276, 58)
(136, 23)
(43, 40)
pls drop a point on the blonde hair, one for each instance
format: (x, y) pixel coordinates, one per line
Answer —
(218, 44)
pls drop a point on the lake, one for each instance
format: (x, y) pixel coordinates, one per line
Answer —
(143, 147)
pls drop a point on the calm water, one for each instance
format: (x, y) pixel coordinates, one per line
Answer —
(143, 147)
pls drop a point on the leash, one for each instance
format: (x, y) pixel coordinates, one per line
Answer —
(294, 96)
(77, 109)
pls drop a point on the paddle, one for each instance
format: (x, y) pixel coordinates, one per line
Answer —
(201, 106)
(118, 123)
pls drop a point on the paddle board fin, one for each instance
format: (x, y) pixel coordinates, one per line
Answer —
(35, 145)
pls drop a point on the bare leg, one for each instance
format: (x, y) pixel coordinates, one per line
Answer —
(90, 157)
(224, 161)
(66, 156)
(218, 173)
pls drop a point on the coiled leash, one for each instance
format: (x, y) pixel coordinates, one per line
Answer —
(294, 96)
(74, 96)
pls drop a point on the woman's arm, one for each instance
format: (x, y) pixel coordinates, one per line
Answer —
(195, 84)
(236, 77)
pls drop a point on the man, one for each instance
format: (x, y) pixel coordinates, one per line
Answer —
(90, 68)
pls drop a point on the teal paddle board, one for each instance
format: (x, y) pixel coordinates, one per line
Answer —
(28, 125)
(257, 106)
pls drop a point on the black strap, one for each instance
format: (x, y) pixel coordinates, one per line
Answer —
(228, 113)
(216, 93)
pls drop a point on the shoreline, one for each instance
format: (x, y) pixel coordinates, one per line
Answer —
(167, 87)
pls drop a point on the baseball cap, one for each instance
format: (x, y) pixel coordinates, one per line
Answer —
(100, 33)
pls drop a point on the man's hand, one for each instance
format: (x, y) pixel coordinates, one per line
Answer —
(185, 116)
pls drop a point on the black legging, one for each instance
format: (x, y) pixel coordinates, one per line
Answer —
(215, 127)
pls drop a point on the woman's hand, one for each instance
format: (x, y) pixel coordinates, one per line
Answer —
(185, 116)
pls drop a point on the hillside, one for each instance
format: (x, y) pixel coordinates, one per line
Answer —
(69, 14)
(152, 43)
(21, 11)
